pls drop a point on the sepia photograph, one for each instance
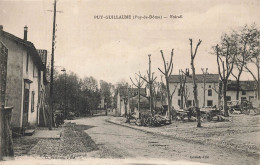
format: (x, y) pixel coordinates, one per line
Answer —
(130, 82)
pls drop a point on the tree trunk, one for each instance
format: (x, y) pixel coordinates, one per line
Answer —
(237, 90)
(195, 93)
(169, 99)
(225, 98)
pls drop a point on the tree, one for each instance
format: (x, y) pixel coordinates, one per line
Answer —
(245, 37)
(195, 91)
(167, 72)
(106, 88)
(182, 86)
(252, 36)
(150, 81)
(138, 84)
(225, 60)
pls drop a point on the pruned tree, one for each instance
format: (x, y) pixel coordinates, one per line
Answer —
(195, 91)
(138, 84)
(167, 72)
(182, 86)
(186, 95)
(225, 60)
(149, 81)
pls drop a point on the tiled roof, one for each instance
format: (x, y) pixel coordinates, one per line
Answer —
(29, 45)
(243, 86)
(210, 78)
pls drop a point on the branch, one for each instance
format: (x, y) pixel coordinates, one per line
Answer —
(197, 48)
(174, 90)
(170, 61)
(133, 82)
(161, 71)
(219, 71)
(163, 61)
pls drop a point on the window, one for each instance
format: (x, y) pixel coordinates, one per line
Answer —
(27, 62)
(179, 102)
(209, 103)
(209, 86)
(179, 92)
(209, 92)
(189, 103)
(243, 92)
(228, 98)
(251, 97)
(243, 98)
(32, 101)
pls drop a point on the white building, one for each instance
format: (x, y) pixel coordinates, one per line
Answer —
(247, 90)
(211, 90)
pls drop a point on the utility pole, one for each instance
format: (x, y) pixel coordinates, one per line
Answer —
(52, 67)
(205, 72)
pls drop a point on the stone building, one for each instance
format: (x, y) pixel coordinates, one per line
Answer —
(25, 80)
(247, 90)
(211, 90)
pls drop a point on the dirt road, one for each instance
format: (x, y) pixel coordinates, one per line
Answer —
(121, 142)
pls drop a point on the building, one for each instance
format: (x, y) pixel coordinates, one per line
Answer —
(211, 90)
(26, 80)
(247, 90)
(127, 98)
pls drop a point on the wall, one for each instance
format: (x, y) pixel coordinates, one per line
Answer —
(233, 94)
(14, 84)
(214, 96)
(33, 75)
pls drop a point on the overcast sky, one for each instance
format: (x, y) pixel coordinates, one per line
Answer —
(113, 50)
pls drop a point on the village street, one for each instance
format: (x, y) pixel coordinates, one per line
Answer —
(115, 141)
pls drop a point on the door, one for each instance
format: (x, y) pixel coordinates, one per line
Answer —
(26, 104)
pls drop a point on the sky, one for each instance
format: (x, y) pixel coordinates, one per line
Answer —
(113, 49)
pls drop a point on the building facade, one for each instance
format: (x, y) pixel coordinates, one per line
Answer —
(25, 80)
(127, 98)
(247, 90)
(211, 90)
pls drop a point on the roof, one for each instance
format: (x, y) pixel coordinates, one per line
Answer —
(243, 86)
(210, 78)
(131, 91)
(28, 45)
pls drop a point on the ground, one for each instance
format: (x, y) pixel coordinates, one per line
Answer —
(96, 138)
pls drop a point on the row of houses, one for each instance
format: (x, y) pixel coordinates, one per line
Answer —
(26, 79)
(209, 86)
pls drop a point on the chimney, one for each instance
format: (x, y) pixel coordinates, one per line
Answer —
(1, 29)
(25, 33)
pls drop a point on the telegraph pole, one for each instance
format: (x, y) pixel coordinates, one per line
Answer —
(52, 67)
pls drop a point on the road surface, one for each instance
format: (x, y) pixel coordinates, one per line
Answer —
(116, 141)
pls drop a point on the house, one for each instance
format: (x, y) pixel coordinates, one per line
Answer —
(127, 98)
(26, 79)
(211, 90)
(247, 90)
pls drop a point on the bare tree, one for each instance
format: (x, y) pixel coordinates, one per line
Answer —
(182, 86)
(167, 72)
(149, 81)
(138, 84)
(195, 91)
(205, 72)
(225, 62)
(186, 95)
